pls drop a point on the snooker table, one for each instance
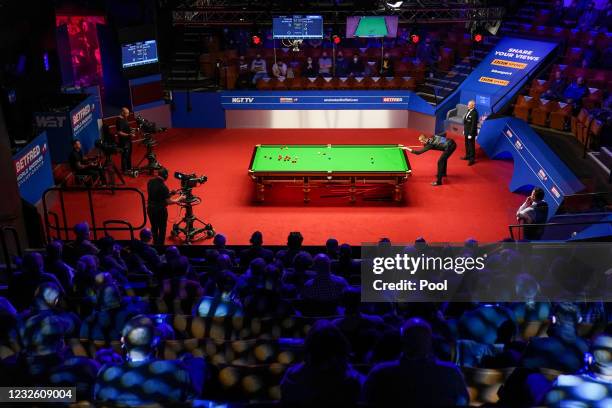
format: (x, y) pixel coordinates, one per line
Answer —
(350, 166)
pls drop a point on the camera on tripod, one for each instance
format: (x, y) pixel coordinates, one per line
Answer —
(189, 181)
(187, 225)
(146, 126)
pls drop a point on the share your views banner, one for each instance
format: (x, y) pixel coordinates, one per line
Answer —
(502, 71)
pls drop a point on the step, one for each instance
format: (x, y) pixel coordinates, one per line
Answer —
(605, 155)
(597, 159)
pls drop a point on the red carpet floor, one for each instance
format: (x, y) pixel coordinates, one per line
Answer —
(474, 202)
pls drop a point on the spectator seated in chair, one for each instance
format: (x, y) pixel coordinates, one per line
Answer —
(417, 378)
(557, 87)
(279, 70)
(310, 69)
(341, 66)
(325, 65)
(142, 378)
(325, 378)
(386, 69)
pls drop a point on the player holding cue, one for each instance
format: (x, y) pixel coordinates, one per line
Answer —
(436, 142)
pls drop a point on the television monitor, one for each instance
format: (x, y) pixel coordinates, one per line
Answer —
(297, 27)
(371, 26)
(139, 53)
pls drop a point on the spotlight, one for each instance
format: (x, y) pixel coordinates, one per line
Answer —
(256, 40)
(478, 37)
(336, 39)
(395, 5)
(415, 38)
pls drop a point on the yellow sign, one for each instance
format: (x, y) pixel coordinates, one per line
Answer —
(509, 64)
(494, 81)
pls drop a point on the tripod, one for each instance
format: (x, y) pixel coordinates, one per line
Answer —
(111, 170)
(186, 225)
(149, 156)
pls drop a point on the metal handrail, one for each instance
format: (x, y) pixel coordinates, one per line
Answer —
(95, 228)
(521, 227)
(127, 224)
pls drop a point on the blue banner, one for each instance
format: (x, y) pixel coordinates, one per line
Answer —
(502, 72)
(307, 100)
(84, 122)
(535, 164)
(33, 168)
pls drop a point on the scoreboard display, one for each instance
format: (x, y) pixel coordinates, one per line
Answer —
(297, 27)
(139, 53)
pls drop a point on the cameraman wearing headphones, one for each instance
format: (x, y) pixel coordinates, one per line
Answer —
(124, 133)
(158, 199)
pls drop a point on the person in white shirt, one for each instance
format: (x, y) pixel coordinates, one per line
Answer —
(533, 211)
(470, 130)
(279, 69)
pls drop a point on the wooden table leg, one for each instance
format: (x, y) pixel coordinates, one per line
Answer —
(306, 190)
(352, 190)
(398, 191)
(261, 188)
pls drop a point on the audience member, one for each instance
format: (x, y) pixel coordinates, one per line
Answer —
(22, 285)
(356, 67)
(143, 378)
(309, 69)
(361, 330)
(325, 65)
(256, 250)
(556, 88)
(219, 243)
(417, 378)
(324, 287)
(386, 68)
(563, 350)
(571, 14)
(325, 378)
(259, 68)
(55, 265)
(533, 211)
(112, 312)
(341, 69)
(44, 359)
(294, 246)
(574, 92)
(589, 386)
(589, 18)
(243, 80)
(279, 69)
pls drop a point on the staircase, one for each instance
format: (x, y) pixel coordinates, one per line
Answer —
(603, 160)
(441, 84)
(183, 70)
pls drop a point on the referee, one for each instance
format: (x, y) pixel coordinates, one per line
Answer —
(158, 199)
(437, 142)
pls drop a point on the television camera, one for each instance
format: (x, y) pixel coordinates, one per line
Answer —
(106, 144)
(187, 225)
(147, 129)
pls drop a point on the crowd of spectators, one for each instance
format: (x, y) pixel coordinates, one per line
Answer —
(348, 60)
(380, 354)
(581, 78)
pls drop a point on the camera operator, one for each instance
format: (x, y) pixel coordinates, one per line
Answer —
(82, 166)
(124, 132)
(158, 199)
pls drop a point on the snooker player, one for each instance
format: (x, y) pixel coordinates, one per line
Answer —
(436, 142)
